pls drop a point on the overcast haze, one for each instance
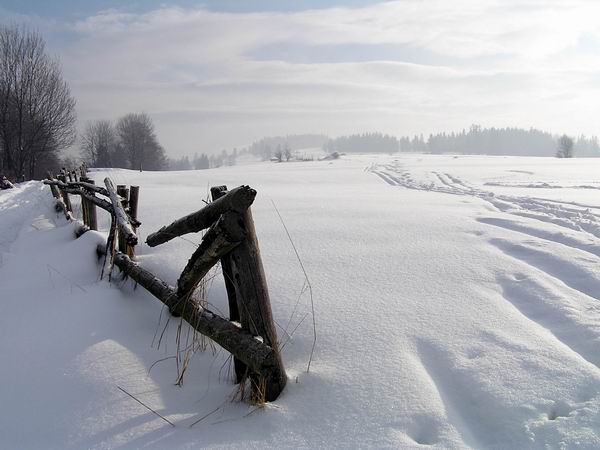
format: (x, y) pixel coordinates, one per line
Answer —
(216, 75)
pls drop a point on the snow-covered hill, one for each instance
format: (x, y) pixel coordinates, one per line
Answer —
(457, 304)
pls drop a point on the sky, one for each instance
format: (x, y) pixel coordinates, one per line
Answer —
(221, 74)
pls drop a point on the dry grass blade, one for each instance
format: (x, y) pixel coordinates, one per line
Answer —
(146, 406)
(51, 267)
(312, 304)
(205, 416)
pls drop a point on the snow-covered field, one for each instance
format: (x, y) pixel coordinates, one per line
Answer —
(457, 304)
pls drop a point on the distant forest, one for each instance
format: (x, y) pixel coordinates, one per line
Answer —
(498, 141)
(476, 140)
(362, 143)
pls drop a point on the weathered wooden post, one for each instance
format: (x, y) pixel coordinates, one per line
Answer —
(84, 210)
(92, 217)
(134, 195)
(123, 192)
(88, 206)
(64, 194)
(123, 223)
(250, 283)
(231, 232)
(234, 311)
(53, 188)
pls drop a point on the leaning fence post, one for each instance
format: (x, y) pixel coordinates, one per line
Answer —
(124, 193)
(53, 188)
(85, 203)
(92, 217)
(134, 194)
(234, 311)
(64, 194)
(252, 294)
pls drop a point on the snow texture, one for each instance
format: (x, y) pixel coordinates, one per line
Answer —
(457, 303)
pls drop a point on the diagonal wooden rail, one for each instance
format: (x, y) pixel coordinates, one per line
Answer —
(250, 334)
(232, 239)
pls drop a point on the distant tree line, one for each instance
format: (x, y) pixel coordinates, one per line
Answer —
(203, 161)
(130, 143)
(498, 141)
(37, 110)
(363, 143)
(281, 147)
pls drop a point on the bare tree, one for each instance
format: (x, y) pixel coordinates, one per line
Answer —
(137, 140)
(565, 147)
(37, 111)
(99, 144)
(278, 155)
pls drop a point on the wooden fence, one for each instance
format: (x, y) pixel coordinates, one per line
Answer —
(249, 334)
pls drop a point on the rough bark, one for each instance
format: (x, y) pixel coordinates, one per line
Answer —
(255, 307)
(123, 193)
(123, 223)
(234, 311)
(92, 218)
(77, 191)
(53, 187)
(223, 236)
(5, 183)
(259, 357)
(89, 184)
(65, 195)
(61, 207)
(238, 200)
(134, 196)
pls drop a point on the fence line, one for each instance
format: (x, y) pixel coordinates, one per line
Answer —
(249, 334)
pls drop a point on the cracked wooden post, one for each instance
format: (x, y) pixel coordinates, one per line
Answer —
(123, 192)
(134, 195)
(234, 311)
(252, 295)
(224, 235)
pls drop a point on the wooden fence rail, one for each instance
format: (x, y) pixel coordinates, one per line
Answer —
(249, 334)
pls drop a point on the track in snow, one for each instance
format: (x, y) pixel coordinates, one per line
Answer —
(555, 288)
(571, 215)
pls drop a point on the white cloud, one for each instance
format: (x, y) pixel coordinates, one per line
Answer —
(494, 62)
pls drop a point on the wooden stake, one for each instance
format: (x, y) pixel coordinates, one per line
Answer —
(65, 195)
(238, 200)
(234, 312)
(252, 295)
(123, 192)
(123, 222)
(134, 195)
(53, 188)
(92, 218)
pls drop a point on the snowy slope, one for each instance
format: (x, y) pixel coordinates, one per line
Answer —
(457, 305)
